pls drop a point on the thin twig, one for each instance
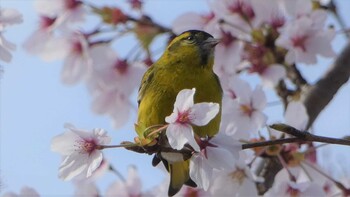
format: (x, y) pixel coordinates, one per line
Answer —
(116, 172)
(271, 142)
(337, 183)
(309, 137)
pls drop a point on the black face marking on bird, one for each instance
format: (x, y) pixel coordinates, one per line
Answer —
(203, 41)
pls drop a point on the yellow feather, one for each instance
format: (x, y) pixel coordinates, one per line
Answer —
(187, 63)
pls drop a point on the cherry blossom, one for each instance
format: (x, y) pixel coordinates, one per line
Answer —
(289, 188)
(77, 64)
(132, 186)
(112, 83)
(206, 22)
(5, 48)
(304, 40)
(86, 188)
(185, 114)
(25, 191)
(242, 109)
(67, 12)
(219, 152)
(44, 43)
(80, 151)
(238, 15)
(240, 178)
(7, 17)
(268, 12)
(228, 52)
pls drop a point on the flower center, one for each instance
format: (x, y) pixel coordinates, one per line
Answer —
(243, 9)
(239, 175)
(72, 4)
(183, 117)
(86, 146)
(46, 22)
(299, 41)
(77, 47)
(208, 17)
(121, 66)
(227, 38)
(293, 192)
(247, 109)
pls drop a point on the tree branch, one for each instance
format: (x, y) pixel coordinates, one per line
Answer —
(299, 136)
(319, 95)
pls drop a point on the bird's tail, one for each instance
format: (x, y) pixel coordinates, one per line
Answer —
(179, 175)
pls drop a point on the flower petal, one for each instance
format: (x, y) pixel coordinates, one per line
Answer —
(176, 134)
(200, 171)
(184, 100)
(202, 113)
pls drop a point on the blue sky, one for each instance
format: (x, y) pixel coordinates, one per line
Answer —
(34, 105)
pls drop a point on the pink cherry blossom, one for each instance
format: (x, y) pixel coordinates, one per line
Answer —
(5, 48)
(25, 192)
(80, 151)
(67, 12)
(132, 186)
(77, 64)
(228, 52)
(44, 43)
(185, 114)
(219, 152)
(86, 188)
(289, 188)
(242, 109)
(304, 40)
(112, 83)
(268, 12)
(241, 180)
(206, 22)
(7, 17)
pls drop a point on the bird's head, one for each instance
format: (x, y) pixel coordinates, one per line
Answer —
(193, 46)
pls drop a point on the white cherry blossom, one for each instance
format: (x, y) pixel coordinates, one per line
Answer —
(242, 109)
(25, 192)
(80, 151)
(8, 17)
(220, 153)
(304, 40)
(185, 114)
(132, 186)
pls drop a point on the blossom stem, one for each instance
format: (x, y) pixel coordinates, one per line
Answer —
(346, 191)
(271, 142)
(116, 172)
(308, 137)
(285, 165)
(157, 130)
(100, 147)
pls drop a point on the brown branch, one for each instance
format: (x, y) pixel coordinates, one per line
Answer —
(320, 94)
(271, 142)
(308, 137)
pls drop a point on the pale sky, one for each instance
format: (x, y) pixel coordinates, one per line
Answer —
(34, 105)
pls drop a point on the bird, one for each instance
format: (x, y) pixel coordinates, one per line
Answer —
(186, 63)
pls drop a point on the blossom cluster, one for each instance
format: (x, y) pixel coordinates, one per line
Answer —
(110, 78)
(262, 37)
(267, 38)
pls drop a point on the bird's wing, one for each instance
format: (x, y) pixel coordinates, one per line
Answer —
(146, 79)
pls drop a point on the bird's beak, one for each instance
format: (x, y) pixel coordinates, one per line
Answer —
(211, 42)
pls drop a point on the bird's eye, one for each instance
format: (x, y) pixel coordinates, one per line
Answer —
(190, 38)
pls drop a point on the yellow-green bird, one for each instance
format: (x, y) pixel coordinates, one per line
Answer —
(186, 63)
